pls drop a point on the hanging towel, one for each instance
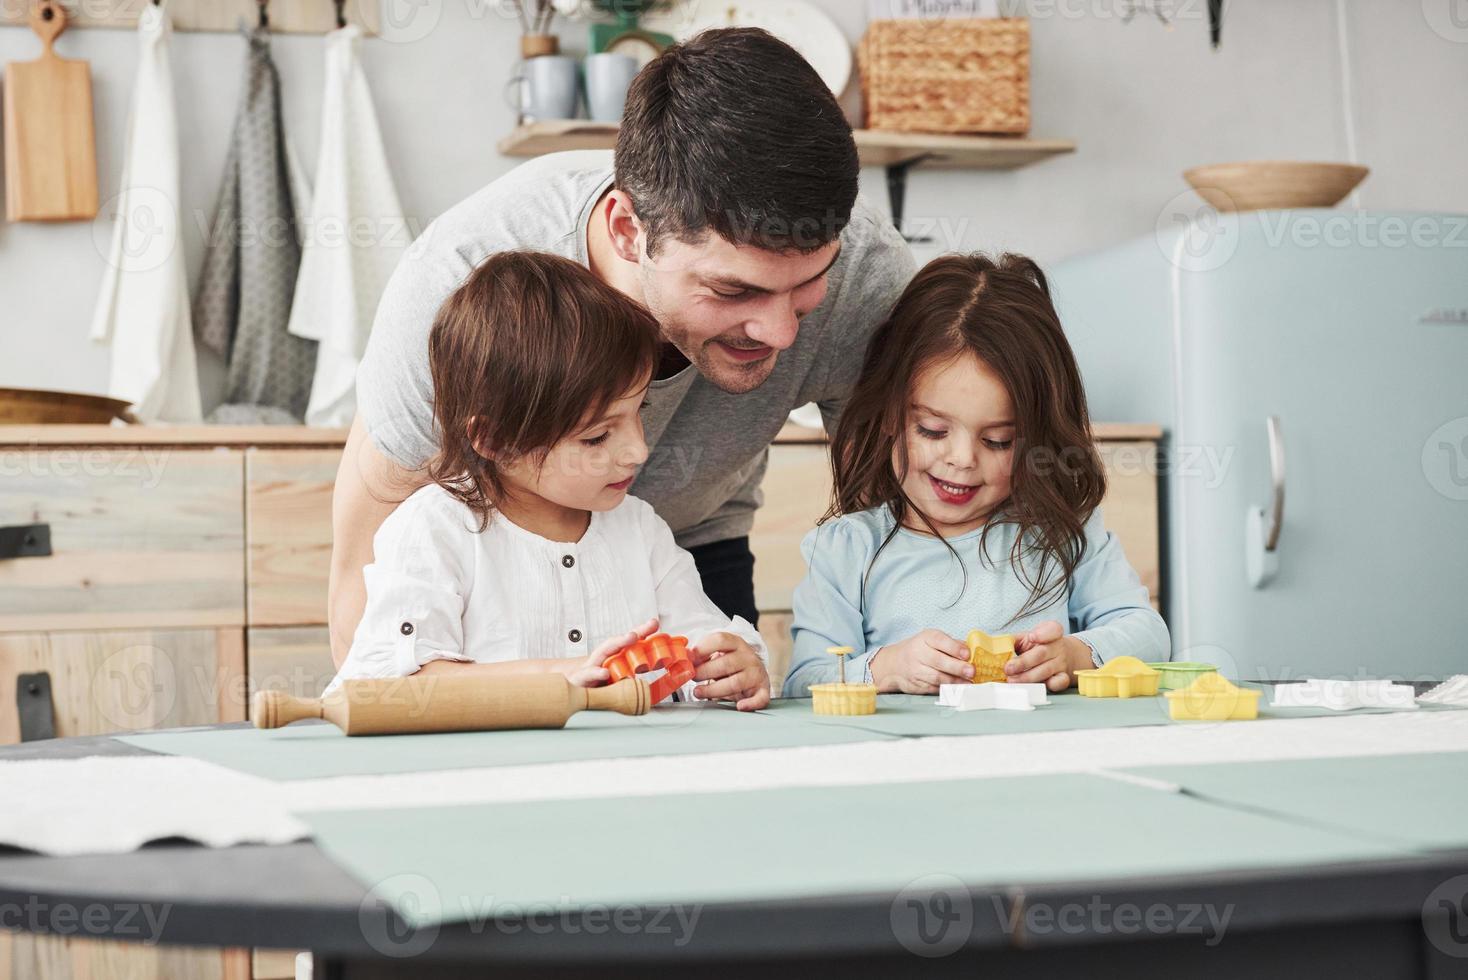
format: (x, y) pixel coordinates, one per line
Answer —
(251, 260)
(354, 238)
(143, 307)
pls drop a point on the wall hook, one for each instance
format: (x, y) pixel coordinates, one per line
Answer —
(341, 17)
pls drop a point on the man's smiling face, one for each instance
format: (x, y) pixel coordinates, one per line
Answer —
(731, 309)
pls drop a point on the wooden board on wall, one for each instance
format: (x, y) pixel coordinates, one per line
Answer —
(286, 16)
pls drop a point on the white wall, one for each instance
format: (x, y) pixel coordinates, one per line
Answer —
(1142, 101)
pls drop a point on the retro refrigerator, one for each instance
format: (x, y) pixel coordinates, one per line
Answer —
(1310, 370)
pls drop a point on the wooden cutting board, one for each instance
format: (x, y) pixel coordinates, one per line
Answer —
(50, 153)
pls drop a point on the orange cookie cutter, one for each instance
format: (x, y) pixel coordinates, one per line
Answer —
(659, 651)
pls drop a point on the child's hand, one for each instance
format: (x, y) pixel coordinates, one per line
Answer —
(590, 672)
(919, 664)
(731, 671)
(1045, 654)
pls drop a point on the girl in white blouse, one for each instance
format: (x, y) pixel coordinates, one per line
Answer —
(525, 553)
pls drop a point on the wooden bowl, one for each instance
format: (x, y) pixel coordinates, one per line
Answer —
(30, 406)
(1260, 184)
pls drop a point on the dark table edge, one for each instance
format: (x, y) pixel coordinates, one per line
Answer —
(1260, 899)
(847, 924)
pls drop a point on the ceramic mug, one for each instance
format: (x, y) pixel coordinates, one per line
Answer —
(547, 87)
(608, 76)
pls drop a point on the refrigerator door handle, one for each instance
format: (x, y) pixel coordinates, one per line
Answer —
(1261, 531)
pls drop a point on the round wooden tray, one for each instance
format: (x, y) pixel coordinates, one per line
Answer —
(31, 406)
(1269, 184)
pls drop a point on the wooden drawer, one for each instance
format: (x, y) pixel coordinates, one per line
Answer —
(128, 679)
(1130, 507)
(145, 537)
(797, 489)
(775, 628)
(288, 517)
(24, 956)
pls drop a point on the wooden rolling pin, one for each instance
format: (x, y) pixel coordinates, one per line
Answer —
(438, 703)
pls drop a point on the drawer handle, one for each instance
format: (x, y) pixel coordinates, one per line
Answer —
(25, 541)
(34, 708)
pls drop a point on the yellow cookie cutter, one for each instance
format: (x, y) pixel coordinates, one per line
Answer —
(1122, 677)
(989, 654)
(1213, 697)
(842, 698)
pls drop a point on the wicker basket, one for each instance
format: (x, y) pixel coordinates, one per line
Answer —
(947, 76)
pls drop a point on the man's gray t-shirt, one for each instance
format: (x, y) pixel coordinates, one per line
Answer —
(708, 448)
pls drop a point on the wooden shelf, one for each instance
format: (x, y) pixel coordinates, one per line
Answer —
(210, 15)
(170, 435)
(877, 149)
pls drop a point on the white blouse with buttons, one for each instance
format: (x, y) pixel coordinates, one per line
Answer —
(440, 589)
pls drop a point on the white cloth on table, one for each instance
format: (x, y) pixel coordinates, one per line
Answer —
(112, 804)
(143, 306)
(438, 589)
(897, 761)
(353, 239)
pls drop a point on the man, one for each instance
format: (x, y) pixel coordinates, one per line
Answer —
(730, 211)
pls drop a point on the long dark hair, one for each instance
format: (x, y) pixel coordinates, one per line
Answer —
(528, 347)
(1001, 313)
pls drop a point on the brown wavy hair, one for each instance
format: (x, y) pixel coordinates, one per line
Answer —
(1001, 312)
(521, 354)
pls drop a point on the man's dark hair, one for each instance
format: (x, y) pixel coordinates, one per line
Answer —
(734, 132)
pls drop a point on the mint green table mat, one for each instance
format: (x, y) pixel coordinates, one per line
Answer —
(458, 863)
(1416, 800)
(317, 750)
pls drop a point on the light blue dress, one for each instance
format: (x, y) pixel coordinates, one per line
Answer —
(916, 583)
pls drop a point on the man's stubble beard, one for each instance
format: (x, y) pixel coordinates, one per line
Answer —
(735, 379)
